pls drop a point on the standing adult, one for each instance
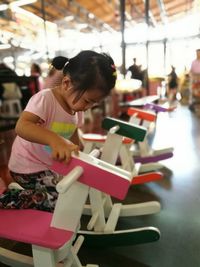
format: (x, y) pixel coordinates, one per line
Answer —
(172, 84)
(195, 81)
(135, 70)
(37, 72)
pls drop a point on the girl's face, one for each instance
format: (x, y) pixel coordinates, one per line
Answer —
(81, 102)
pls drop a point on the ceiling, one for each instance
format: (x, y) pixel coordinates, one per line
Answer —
(95, 14)
(20, 27)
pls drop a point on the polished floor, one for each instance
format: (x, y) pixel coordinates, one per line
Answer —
(178, 194)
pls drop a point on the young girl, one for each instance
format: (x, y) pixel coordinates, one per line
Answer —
(47, 128)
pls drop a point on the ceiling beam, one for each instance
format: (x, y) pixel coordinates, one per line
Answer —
(103, 25)
(163, 13)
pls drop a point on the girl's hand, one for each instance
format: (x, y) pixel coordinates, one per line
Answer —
(62, 150)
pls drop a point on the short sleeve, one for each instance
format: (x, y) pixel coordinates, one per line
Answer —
(40, 105)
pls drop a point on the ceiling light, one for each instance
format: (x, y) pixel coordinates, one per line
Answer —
(69, 18)
(25, 12)
(14, 42)
(8, 59)
(5, 46)
(22, 3)
(91, 16)
(81, 26)
(3, 7)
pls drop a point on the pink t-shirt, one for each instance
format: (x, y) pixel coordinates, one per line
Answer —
(195, 67)
(27, 157)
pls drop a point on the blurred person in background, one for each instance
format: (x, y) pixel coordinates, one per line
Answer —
(135, 70)
(5, 71)
(172, 84)
(54, 78)
(36, 72)
(195, 81)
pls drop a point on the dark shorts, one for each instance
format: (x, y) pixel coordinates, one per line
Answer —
(39, 191)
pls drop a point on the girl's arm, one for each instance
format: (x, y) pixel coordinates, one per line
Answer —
(76, 140)
(28, 128)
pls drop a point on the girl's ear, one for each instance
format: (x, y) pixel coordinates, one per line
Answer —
(66, 82)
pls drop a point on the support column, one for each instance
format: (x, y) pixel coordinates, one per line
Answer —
(123, 44)
(147, 45)
(45, 28)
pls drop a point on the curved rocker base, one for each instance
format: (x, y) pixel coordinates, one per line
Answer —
(121, 238)
(11, 258)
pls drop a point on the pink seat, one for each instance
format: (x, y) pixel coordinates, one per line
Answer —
(36, 228)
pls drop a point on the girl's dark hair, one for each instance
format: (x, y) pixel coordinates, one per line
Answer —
(88, 70)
